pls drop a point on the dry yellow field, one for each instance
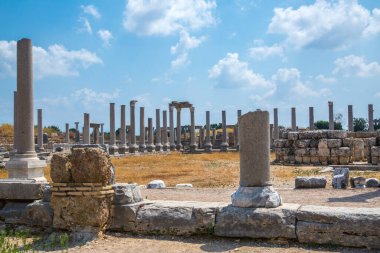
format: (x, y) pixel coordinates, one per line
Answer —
(216, 170)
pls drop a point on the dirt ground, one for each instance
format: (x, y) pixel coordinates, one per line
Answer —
(116, 242)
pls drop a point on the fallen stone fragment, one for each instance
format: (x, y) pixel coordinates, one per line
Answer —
(156, 184)
(310, 182)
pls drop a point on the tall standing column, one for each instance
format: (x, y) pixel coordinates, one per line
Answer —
(311, 118)
(123, 131)
(165, 130)
(331, 115)
(276, 131)
(294, 119)
(102, 134)
(67, 133)
(213, 136)
(201, 137)
(350, 119)
(150, 147)
(86, 129)
(96, 134)
(158, 131)
(271, 135)
(193, 144)
(171, 128)
(224, 144)
(25, 164)
(142, 145)
(370, 118)
(255, 185)
(179, 144)
(236, 131)
(112, 149)
(40, 137)
(15, 132)
(208, 145)
(132, 129)
(77, 135)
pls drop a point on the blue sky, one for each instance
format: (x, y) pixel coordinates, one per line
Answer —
(219, 55)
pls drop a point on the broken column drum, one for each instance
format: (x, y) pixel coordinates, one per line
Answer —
(208, 145)
(142, 145)
(113, 149)
(158, 131)
(224, 144)
(255, 185)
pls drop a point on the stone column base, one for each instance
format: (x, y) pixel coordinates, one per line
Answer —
(26, 167)
(178, 147)
(223, 147)
(208, 147)
(150, 148)
(172, 147)
(142, 148)
(193, 147)
(158, 147)
(113, 150)
(123, 150)
(133, 148)
(264, 196)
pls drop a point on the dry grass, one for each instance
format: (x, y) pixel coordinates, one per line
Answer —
(202, 170)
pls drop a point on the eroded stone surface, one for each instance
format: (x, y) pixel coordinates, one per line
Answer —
(39, 214)
(126, 194)
(310, 182)
(256, 197)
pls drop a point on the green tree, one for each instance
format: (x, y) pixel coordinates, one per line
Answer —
(321, 124)
(360, 125)
(376, 124)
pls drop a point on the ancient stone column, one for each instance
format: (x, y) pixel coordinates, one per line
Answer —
(67, 133)
(112, 149)
(142, 145)
(40, 135)
(96, 133)
(165, 143)
(86, 129)
(123, 131)
(370, 118)
(350, 119)
(255, 185)
(193, 143)
(132, 146)
(77, 134)
(331, 115)
(236, 131)
(294, 119)
(102, 134)
(311, 118)
(208, 145)
(158, 131)
(15, 131)
(150, 147)
(276, 131)
(179, 144)
(271, 135)
(25, 164)
(213, 136)
(224, 144)
(171, 128)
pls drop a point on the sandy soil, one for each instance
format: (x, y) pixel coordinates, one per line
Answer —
(369, 197)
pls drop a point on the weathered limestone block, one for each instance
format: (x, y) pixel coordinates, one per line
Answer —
(279, 143)
(75, 213)
(38, 214)
(306, 135)
(298, 159)
(310, 182)
(315, 160)
(292, 136)
(348, 142)
(353, 227)
(324, 152)
(256, 197)
(334, 160)
(12, 212)
(61, 168)
(344, 155)
(306, 159)
(302, 152)
(257, 222)
(302, 143)
(289, 144)
(126, 194)
(372, 182)
(336, 134)
(334, 143)
(322, 144)
(284, 135)
(123, 217)
(340, 178)
(357, 182)
(358, 149)
(313, 152)
(156, 184)
(324, 160)
(313, 143)
(177, 217)
(14, 189)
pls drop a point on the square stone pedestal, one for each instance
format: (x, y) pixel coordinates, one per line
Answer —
(24, 167)
(21, 189)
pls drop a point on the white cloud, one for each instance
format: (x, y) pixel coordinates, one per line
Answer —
(325, 24)
(324, 79)
(377, 95)
(86, 26)
(91, 10)
(105, 36)
(353, 65)
(263, 52)
(230, 72)
(56, 60)
(157, 17)
(181, 49)
(88, 96)
(292, 77)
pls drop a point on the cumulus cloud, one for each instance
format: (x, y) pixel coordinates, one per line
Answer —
(105, 36)
(292, 77)
(325, 24)
(56, 60)
(91, 10)
(157, 17)
(324, 79)
(184, 45)
(86, 26)
(230, 72)
(263, 52)
(353, 65)
(88, 96)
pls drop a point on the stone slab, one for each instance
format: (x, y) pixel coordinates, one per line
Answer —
(39, 214)
(12, 212)
(277, 222)
(353, 227)
(14, 189)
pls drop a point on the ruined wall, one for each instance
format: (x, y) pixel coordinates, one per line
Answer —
(326, 147)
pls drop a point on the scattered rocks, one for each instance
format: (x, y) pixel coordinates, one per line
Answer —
(372, 182)
(156, 184)
(357, 182)
(184, 186)
(310, 182)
